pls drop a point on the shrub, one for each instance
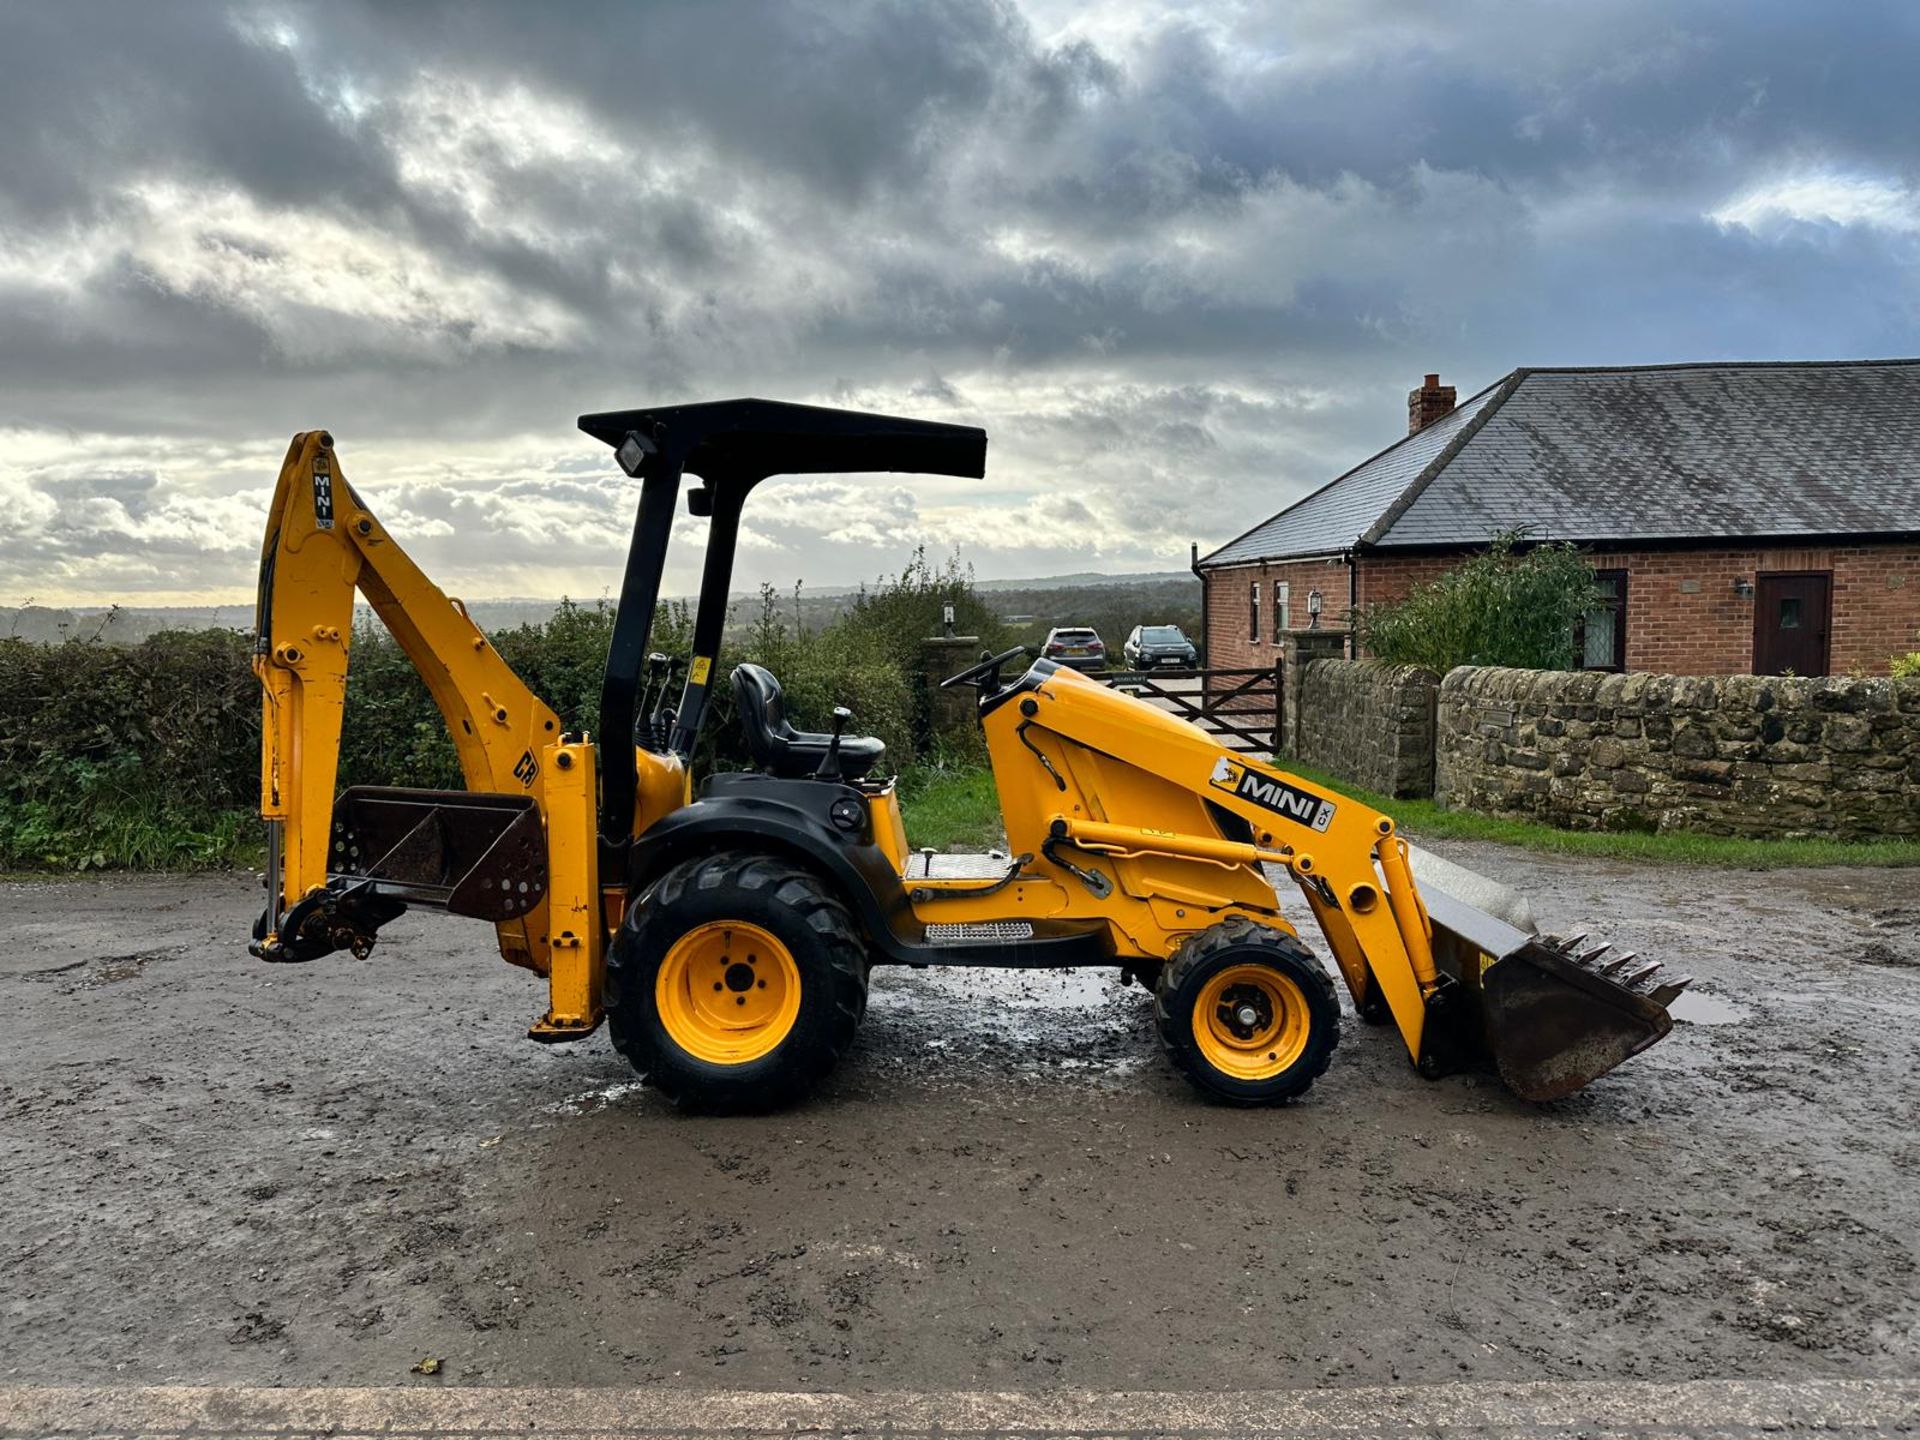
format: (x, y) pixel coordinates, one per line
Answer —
(1507, 606)
(142, 755)
(1907, 666)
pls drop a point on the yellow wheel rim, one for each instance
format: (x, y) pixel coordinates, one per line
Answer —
(1251, 1022)
(728, 993)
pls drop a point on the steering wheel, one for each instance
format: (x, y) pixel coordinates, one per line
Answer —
(986, 672)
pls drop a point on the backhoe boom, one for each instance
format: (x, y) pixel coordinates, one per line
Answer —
(322, 544)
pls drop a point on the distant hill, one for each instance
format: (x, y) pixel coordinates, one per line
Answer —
(1107, 602)
(121, 625)
(1088, 579)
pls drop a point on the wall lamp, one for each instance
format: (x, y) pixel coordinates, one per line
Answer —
(1743, 587)
(1313, 609)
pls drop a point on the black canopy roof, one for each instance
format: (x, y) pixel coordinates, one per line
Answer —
(772, 437)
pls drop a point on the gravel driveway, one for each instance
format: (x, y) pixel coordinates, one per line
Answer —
(225, 1172)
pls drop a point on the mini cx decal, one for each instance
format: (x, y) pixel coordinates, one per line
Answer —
(1271, 793)
(322, 493)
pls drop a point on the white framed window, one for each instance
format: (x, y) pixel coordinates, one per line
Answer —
(1282, 602)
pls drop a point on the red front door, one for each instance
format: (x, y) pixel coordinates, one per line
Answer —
(1791, 617)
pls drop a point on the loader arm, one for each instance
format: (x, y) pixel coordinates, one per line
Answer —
(1345, 857)
(1465, 987)
(1462, 986)
(322, 543)
(1355, 874)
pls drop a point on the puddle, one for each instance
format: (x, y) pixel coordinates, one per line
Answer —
(1698, 1007)
(989, 991)
(588, 1101)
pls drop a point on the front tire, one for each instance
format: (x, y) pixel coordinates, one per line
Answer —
(1247, 1014)
(735, 984)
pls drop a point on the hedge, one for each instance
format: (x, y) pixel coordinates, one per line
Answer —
(147, 756)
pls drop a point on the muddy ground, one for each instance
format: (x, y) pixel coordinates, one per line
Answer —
(221, 1171)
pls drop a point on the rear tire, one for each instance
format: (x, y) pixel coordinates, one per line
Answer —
(1247, 1014)
(735, 983)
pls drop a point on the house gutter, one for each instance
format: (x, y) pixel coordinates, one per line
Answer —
(1203, 567)
(1353, 601)
(1206, 599)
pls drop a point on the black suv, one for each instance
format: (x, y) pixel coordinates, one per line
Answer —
(1151, 645)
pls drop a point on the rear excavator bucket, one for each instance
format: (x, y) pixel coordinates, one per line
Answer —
(1549, 1015)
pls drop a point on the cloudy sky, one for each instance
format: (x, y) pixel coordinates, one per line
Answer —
(1183, 261)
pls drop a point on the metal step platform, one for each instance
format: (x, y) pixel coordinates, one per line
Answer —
(992, 932)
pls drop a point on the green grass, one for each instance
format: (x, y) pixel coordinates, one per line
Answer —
(951, 808)
(957, 809)
(129, 832)
(1425, 820)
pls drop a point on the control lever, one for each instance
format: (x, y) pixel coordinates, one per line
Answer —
(830, 766)
(657, 691)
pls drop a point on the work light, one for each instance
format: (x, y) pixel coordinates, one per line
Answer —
(633, 452)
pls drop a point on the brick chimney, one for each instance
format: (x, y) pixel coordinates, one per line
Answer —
(1430, 402)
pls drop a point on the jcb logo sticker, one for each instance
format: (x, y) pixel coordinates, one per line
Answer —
(322, 493)
(1276, 795)
(525, 768)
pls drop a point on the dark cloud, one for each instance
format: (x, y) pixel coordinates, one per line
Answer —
(1182, 259)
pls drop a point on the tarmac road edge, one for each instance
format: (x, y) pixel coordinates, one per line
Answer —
(1701, 1407)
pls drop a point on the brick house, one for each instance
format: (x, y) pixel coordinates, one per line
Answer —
(1743, 518)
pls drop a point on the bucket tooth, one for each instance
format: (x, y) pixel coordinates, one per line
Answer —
(1572, 943)
(1619, 962)
(1587, 957)
(1634, 978)
(1667, 991)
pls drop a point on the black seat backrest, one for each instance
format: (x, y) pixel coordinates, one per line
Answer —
(763, 713)
(779, 749)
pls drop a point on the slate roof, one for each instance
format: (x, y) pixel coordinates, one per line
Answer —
(1650, 453)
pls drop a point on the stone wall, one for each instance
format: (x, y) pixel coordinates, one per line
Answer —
(950, 715)
(1735, 755)
(1365, 722)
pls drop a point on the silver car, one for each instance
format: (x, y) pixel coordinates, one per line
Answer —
(1076, 646)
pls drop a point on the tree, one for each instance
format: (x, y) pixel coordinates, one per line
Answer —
(1508, 606)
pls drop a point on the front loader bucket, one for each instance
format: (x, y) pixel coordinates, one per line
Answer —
(1548, 1015)
(1557, 1019)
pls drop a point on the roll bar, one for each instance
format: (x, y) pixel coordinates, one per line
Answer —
(732, 445)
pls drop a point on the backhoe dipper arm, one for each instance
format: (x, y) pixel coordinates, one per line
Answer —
(321, 543)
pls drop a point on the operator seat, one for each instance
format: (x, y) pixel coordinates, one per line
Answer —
(781, 750)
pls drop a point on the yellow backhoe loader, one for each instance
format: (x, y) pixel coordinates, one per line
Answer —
(726, 931)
